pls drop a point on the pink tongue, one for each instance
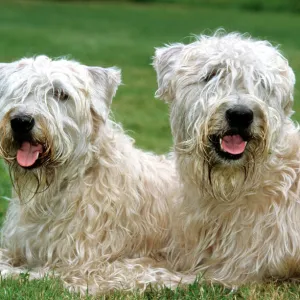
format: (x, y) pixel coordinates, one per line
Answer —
(233, 144)
(28, 154)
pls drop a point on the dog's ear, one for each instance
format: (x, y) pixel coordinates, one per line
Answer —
(3, 67)
(290, 82)
(106, 82)
(164, 63)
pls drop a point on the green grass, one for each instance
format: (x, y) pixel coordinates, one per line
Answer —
(46, 288)
(252, 5)
(125, 34)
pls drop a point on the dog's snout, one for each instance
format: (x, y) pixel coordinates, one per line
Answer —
(239, 116)
(22, 124)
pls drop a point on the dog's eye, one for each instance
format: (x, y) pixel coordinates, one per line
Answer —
(210, 75)
(60, 95)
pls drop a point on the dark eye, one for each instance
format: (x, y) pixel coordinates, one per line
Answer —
(60, 95)
(210, 75)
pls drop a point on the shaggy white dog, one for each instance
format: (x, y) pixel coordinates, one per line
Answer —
(88, 204)
(238, 156)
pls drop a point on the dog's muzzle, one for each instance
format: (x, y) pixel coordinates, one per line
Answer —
(29, 151)
(232, 144)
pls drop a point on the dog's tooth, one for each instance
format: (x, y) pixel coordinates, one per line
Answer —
(221, 145)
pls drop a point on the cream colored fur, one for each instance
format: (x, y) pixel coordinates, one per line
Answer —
(96, 210)
(239, 220)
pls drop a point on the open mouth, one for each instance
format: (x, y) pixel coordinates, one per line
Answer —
(28, 154)
(231, 145)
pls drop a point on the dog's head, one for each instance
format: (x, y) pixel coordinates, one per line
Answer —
(51, 109)
(229, 96)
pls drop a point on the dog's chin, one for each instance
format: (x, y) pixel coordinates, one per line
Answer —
(231, 145)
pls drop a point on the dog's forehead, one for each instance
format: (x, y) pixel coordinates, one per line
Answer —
(231, 51)
(44, 66)
(42, 73)
(39, 76)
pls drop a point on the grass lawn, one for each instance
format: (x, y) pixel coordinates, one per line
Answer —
(125, 35)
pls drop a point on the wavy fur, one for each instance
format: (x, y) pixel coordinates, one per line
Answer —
(238, 221)
(96, 210)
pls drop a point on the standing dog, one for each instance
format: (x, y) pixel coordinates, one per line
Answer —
(88, 204)
(238, 157)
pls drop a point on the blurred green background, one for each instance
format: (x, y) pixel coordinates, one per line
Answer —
(125, 33)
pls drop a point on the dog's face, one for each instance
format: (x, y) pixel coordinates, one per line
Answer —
(50, 110)
(229, 96)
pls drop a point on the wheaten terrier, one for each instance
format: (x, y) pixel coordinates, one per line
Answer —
(88, 205)
(238, 155)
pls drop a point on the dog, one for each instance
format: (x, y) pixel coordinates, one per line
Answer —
(87, 204)
(237, 153)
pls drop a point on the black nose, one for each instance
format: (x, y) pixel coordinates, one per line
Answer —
(239, 116)
(22, 124)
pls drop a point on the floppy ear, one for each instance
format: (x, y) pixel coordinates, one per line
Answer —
(5, 71)
(290, 81)
(2, 75)
(4, 68)
(164, 63)
(105, 84)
